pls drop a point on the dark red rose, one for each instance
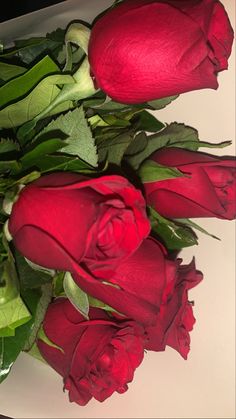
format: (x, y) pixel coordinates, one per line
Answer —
(63, 219)
(208, 190)
(97, 357)
(139, 51)
(175, 319)
(144, 278)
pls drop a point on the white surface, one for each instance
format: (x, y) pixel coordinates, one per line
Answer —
(165, 386)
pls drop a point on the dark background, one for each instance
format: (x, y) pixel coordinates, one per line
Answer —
(14, 8)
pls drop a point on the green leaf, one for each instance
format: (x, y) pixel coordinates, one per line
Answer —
(81, 87)
(30, 49)
(93, 302)
(21, 85)
(138, 144)
(28, 277)
(42, 336)
(39, 151)
(9, 286)
(117, 117)
(14, 313)
(41, 309)
(174, 135)
(161, 103)
(108, 106)
(191, 224)
(51, 163)
(8, 71)
(174, 236)
(9, 166)
(97, 121)
(103, 134)
(7, 145)
(7, 331)
(58, 289)
(10, 186)
(117, 120)
(113, 149)
(30, 177)
(36, 101)
(57, 35)
(150, 171)
(34, 351)
(5, 183)
(79, 140)
(39, 268)
(148, 122)
(10, 347)
(77, 297)
(191, 145)
(20, 45)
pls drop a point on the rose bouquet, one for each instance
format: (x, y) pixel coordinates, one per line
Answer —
(98, 195)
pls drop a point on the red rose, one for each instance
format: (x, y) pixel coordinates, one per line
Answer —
(91, 218)
(64, 219)
(98, 356)
(139, 51)
(144, 277)
(208, 190)
(175, 319)
(141, 277)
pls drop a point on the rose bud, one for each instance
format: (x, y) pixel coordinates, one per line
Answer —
(63, 219)
(207, 190)
(175, 319)
(139, 51)
(97, 357)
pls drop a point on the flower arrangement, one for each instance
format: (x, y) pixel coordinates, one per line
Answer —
(98, 195)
